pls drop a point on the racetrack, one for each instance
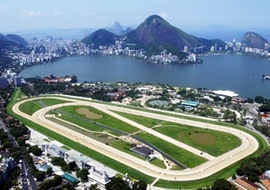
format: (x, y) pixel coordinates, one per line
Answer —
(214, 164)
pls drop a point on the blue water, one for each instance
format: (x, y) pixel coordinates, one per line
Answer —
(242, 74)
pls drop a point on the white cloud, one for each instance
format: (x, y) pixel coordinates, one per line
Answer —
(164, 15)
(57, 13)
(27, 13)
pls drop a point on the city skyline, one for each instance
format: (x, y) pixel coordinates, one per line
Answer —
(31, 14)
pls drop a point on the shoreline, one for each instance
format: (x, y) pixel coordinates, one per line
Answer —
(262, 90)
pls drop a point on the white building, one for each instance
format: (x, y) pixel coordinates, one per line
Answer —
(192, 57)
(186, 49)
(98, 177)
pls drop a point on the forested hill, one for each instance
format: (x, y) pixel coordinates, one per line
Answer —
(154, 35)
(9, 42)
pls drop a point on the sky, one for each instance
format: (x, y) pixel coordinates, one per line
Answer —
(18, 15)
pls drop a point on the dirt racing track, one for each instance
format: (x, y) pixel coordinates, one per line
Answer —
(214, 164)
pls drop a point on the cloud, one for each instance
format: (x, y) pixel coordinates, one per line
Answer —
(57, 13)
(164, 15)
(27, 13)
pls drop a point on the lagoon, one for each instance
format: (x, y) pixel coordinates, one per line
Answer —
(239, 73)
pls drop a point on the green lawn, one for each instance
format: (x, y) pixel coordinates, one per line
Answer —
(21, 95)
(50, 101)
(125, 147)
(225, 173)
(145, 121)
(65, 147)
(159, 163)
(82, 123)
(30, 107)
(213, 142)
(110, 141)
(105, 120)
(102, 137)
(181, 155)
(86, 151)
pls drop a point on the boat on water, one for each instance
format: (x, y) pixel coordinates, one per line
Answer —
(266, 77)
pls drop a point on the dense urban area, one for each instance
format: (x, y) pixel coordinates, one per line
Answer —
(26, 164)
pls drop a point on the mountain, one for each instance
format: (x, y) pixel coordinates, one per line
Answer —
(100, 37)
(17, 39)
(254, 40)
(156, 34)
(12, 40)
(118, 29)
(71, 33)
(126, 31)
(209, 43)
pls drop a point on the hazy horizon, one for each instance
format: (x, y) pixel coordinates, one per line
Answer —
(65, 14)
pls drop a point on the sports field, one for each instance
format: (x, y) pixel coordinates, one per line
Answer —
(195, 137)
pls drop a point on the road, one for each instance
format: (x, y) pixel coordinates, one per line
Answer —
(248, 146)
(25, 173)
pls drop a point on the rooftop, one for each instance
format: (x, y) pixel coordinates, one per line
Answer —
(70, 178)
(225, 93)
(190, 103)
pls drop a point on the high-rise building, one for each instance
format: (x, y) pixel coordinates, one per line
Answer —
(216, 47)
(17, 81)
(186, 49)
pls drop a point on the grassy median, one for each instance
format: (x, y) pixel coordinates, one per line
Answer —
(213, 142)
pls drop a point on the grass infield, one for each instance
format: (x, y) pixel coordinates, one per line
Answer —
(213, 142)
(225, 173)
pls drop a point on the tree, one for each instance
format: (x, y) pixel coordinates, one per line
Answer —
(39, 175)
(93, 187)
(249, 100)
(49, 171)
(265, 108)
(182, 91)
(35, 150)
(57, 180)
(65, 168)
(73, 166)
(116, 184)
(21, 142)
(222, 184)
(83, 174)
(251, 167)
(58, 161)
(253, 177)
(229, 116)
(259, 99)
(240, 172)
(140, 185)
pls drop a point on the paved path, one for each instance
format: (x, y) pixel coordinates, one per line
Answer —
(249, 143)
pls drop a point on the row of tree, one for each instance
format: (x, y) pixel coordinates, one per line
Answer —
(255, 167)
